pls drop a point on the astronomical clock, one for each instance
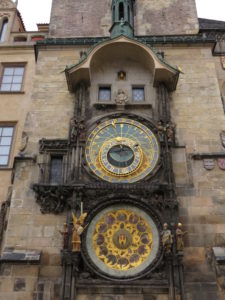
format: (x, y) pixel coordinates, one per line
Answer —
(122, 151)
(122, 240)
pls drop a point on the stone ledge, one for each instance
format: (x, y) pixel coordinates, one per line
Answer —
(200, 156)
(219, 254)
(11, 255)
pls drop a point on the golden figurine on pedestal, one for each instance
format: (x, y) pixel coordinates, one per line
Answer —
(167, 238)
(78, 229)
(180, 237)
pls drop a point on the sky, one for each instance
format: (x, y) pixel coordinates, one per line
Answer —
(38, 11)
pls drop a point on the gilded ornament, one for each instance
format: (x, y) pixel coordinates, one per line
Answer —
(122, 150)
(180, 237)
(122, 239)
(167, 238)
(78, 229)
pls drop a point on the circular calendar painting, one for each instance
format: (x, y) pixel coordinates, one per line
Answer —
(122, 241)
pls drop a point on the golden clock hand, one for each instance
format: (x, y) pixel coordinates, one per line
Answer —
(113, 124)
(119, 139)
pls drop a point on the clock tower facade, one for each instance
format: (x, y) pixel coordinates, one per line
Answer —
(117, 156)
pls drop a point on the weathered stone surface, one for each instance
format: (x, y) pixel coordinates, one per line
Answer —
(151, 18)
(19, 285)
(14, 255)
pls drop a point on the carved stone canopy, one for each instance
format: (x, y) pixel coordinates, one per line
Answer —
(161, 71)
(7, 4)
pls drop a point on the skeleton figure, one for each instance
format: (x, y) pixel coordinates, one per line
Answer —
(78, 229)
(82, 129)
(170, 130)
(65, 234)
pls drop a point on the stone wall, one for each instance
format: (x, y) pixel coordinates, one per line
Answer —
(151, 17)
(197, 111)
(13, 109)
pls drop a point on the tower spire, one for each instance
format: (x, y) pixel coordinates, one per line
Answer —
(122, 18)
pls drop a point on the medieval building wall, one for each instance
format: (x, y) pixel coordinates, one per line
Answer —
(14, 103)
(47, 107)
(200, 192)
(151, 18)
(198, 113)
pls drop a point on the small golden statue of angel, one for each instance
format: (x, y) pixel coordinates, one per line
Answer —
(78, 229)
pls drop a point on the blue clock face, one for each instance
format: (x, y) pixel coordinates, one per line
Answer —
(120, 156)
(122, 150)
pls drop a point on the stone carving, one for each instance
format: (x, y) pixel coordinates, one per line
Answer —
(52, 199)
(82, 131)
(3, 212)
(180, 237)
(48, 145)
(24, 142)
(223, 61)
(161, 131)
(167, 238)
(78, 229)
(7, 4)
(167, 130)
(73, 130)
(209, 163)
(121, 97)
(221, 163)
(83, 55)
(65, 234)
(77, 130)
(222, 138)
(170, 131)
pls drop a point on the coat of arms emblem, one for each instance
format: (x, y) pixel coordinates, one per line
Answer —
(222, 138)
(221, 163)
(209, 163)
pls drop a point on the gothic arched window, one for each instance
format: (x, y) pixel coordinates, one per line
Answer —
(114, 12)
(3, 31)
(128, 13)
(121, 11)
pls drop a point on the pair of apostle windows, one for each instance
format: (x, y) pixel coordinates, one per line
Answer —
(138, 93)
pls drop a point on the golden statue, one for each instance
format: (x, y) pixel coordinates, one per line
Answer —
(167, 238)
(180, 237)
(78, 229)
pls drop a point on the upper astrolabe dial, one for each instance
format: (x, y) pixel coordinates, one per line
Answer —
(122, 150)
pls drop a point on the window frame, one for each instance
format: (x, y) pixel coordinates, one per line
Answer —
(13, 65)
(4, 28)
(50, 179)
(138, 87)
(11, 125)
(105, 86)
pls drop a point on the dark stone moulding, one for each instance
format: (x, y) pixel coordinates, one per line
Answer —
(11, 255)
